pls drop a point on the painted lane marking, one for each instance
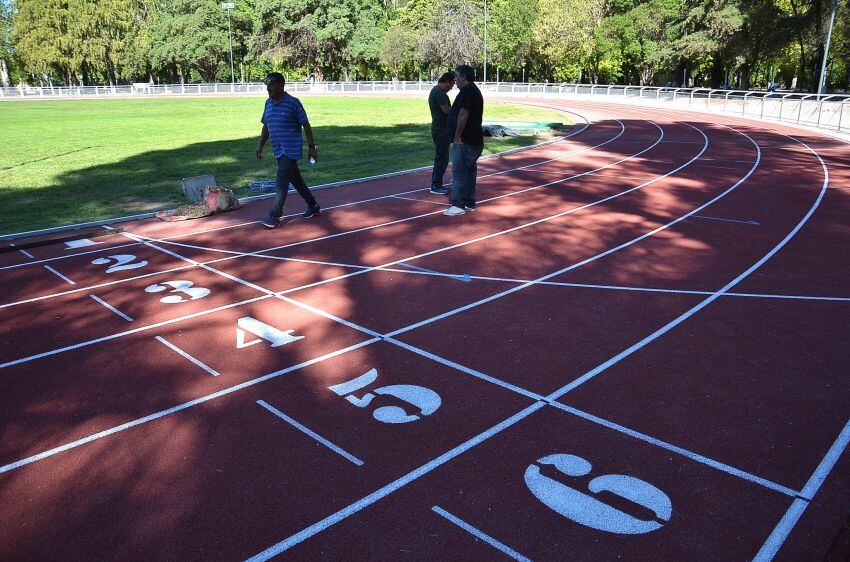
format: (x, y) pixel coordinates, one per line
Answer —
(179, 351)
(421, 200)
(81, 243)
(717, 465)
(384, 491)
(306, 430)
(59, 275)
(478, 533)
(777, 538)
(185, 405)
(104, 303)
(725, 220)
(465, 277)
(24, 252)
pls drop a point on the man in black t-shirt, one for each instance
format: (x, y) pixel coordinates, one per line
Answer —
(438, 102)
(465, 120)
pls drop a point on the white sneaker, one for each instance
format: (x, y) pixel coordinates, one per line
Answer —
(454, 211)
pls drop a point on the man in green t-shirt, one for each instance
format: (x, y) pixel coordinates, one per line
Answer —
(438, 101)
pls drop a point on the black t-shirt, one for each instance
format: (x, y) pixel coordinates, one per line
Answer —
(469, 98)
(437, 98)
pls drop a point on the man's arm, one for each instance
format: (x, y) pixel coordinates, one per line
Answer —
(462, 118)
(264, 136)
(446, 108)
(311, 143)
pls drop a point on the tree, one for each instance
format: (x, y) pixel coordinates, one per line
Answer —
(192, 34)
(511, 28)
(327, 37)
(563, 34)
(8, 60)
(454, 35)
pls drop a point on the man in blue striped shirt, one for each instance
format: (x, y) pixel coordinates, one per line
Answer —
(283, 118)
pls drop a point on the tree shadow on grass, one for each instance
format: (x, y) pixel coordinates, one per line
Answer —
(152, 180)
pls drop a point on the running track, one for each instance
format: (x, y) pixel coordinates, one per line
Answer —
(635, 348)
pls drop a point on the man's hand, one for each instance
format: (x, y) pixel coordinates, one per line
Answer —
(311, 152)
(259, 152)
(458, 140)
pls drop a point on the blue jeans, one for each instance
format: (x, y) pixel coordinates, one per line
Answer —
(288, 173)
(442, 141)
(464, 174)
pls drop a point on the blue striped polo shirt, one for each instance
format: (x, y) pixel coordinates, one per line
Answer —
(284, 120)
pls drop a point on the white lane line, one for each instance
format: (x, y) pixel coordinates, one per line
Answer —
(384, 491)
(478, 533)
(717, 465)
(339, 277)
(304, 429)
(420, 200)
(702, 459)
(179, 351)
(128, 332)
(104, 303)
(615, 287)
(261, 253)
(59, 275)
(714, 296)
(24, 252)
(578, 264)
(780, 533)
(178, 408)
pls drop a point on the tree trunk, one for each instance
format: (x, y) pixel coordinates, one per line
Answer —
(4, 74)
(717, 74)
(746, 73)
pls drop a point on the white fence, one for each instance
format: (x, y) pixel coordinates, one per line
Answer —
(831, 112)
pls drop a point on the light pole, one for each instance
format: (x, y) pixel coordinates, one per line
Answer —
(229, 7)
(485, 41)
(822, 82)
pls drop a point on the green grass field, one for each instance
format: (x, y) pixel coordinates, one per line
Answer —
(66, 162)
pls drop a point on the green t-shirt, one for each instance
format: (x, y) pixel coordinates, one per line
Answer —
(436, 98)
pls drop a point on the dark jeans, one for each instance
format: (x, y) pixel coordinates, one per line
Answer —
(464, 174)
(288, 173)
(442, 141)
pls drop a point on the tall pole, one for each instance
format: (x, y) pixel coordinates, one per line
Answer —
(229, 7)
(822, 83)
(485, 40)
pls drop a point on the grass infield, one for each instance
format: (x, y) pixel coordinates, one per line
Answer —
(66, 162)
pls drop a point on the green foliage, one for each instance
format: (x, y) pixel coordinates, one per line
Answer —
(744, 42)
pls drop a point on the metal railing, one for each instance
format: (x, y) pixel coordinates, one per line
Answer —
(830, 112)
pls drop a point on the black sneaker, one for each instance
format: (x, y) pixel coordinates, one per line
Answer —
(439, 190)
(469, 208)
(269, 222)
(311, 212)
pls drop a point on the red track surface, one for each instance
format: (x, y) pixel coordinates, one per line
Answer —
(615, 315)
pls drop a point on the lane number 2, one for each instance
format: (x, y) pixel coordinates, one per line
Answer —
(123, 262)
(424, 401)
(179, 291)
(586, 508)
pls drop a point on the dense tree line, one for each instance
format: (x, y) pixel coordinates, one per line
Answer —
(736, 43)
